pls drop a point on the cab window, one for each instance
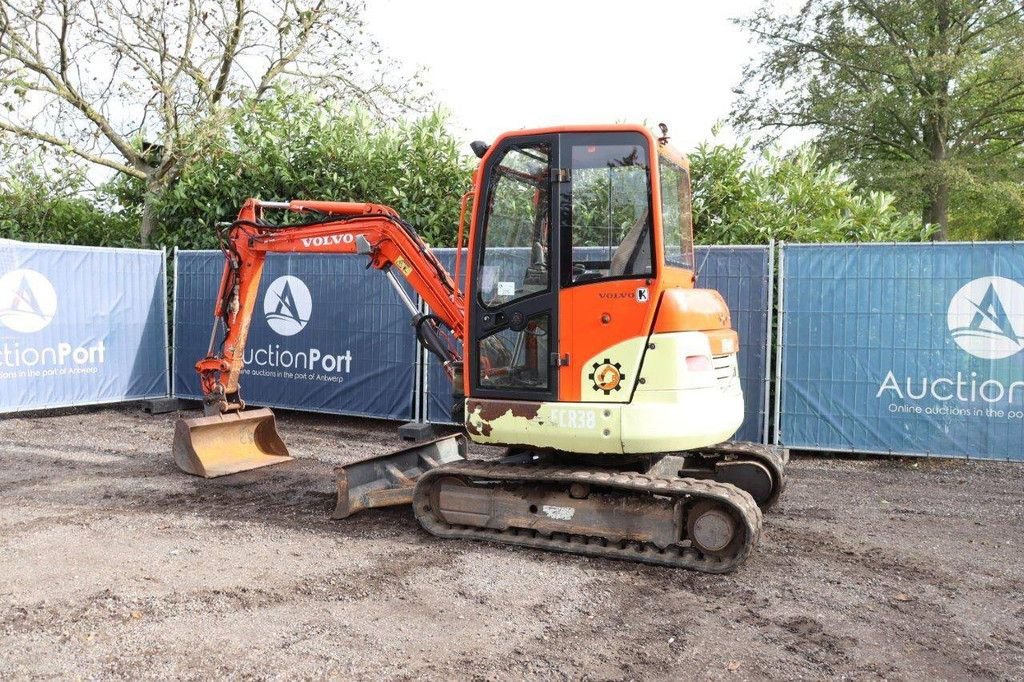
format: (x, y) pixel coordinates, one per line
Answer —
(517, 234)
(607, 212)
(676, 217)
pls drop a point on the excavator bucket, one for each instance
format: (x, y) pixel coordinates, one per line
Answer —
(228, 443)
(389, 479)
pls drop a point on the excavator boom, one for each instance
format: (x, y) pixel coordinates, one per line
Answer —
(228, 440)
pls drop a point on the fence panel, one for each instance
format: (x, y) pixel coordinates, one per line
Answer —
(80, 326)
(327, 335)
(741, 274)
(904, 349)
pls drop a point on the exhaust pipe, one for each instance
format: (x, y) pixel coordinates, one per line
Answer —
(228, 443)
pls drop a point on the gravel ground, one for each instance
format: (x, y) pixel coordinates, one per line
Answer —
(114, 564)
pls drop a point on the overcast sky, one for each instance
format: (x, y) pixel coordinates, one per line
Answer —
(504, 65)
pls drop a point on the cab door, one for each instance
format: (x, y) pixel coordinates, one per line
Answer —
(514, 301)
(609, 273)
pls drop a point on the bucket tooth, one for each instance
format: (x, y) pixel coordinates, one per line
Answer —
(228, 443)
(390, 479)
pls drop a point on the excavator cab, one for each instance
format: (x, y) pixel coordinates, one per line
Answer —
(585, 332)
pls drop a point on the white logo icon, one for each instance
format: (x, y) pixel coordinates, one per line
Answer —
(641, 295)
(28, 301)
(986, 317)
(287, 305)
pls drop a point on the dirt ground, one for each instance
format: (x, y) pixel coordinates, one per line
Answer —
(114, 564)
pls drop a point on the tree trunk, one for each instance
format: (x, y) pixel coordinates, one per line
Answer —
(936, 203)
(148, 218)
(936, 210)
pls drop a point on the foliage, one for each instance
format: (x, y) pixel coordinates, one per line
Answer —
(140, 87)
(787, 197)
(288, 146)
(41, 206)
(923, 98)
(989, 204)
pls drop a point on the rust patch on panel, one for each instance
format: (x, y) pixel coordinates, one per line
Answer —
(480, 413)
(490, 410)
(483, 430)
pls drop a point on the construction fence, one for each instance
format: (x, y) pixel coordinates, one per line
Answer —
(80, 326)
(902, 349)
(899, 349)
(314, 308)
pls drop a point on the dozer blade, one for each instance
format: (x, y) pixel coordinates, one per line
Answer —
(389, 479)
(228, 443)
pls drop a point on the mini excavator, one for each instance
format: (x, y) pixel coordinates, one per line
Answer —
(586, 351)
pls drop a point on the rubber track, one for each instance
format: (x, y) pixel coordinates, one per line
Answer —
(676, 556)
(775, 458)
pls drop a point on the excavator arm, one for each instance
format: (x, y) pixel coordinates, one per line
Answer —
(229, 439)
(370, 230)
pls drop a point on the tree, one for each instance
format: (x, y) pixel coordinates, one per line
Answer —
(918, 96)
(143, 86)
(291, 146)
(791, 197)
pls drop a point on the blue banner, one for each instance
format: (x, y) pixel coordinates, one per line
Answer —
(742, 274)
(327, 335)
(906, 349)
(80, 326)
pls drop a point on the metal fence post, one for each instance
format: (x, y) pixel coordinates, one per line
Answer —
(781, 286)
(769, 319)
(167, 329)
(419, 411)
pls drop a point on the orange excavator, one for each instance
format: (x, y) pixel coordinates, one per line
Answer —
(588, 354)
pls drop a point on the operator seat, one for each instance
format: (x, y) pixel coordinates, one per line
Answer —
(634, 245)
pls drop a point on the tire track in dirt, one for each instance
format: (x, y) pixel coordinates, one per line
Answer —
(384, 577)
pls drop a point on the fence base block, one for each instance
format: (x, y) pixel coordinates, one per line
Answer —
(416, 431)
(163, 405)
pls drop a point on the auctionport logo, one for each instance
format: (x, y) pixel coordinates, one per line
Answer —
(287, 305)
(985, 316)
(28, 302)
